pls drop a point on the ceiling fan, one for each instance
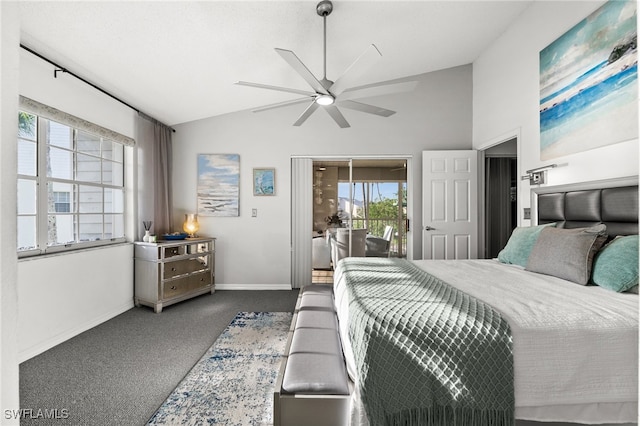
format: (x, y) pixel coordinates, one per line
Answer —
(404, 168)
(329, 94)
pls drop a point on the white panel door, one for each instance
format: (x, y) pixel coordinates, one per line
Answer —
(450, 204)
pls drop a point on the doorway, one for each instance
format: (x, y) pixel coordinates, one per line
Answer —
(346, 196)
(501, 195)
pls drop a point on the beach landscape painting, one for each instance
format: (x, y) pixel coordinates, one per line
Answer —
(589, 83)
(264, 181)
(218, 184)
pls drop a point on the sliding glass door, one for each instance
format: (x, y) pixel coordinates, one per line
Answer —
(347, 202)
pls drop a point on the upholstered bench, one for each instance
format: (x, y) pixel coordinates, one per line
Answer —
(313, 387)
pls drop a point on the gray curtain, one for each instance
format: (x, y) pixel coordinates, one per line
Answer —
(154, 151)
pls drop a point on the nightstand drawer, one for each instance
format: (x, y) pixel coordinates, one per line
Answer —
(179, 286)
(174, 288)
(185, 266)
(202, 247)
(172, 251)
(200, 280)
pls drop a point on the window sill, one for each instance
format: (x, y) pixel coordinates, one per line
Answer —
(26, 257)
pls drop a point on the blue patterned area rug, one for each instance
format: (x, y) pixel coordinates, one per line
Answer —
(233, 382)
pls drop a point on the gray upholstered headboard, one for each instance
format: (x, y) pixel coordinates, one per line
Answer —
(613, 202)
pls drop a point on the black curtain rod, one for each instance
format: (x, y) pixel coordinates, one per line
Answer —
(60, 68)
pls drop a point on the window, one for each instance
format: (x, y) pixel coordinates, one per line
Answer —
(70, 187)
(61, 202)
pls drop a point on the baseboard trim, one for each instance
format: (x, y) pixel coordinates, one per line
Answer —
(63, 337)
(253, 286)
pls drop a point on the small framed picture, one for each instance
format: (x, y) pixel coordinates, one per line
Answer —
(264, 181)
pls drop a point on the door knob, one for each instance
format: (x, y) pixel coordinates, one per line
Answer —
(428, 228)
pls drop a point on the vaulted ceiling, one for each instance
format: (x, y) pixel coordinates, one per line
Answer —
(177, 61)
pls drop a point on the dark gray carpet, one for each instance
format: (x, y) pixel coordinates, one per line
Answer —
(120, 372)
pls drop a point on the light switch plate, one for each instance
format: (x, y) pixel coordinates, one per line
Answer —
(527, 213)
(254, 212)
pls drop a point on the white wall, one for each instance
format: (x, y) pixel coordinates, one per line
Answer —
(72, 96)
(60, 296)
(250, 251)
(506, 98)
(9, 39)
(63, 295)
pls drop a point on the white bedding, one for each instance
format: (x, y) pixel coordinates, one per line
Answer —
(575, 347)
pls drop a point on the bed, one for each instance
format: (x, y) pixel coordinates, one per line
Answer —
(573, 348)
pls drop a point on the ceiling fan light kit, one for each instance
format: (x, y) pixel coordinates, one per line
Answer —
(324, 100)
(328, 94)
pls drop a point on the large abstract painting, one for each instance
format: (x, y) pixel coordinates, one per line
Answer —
(218, 184)
(589, 83)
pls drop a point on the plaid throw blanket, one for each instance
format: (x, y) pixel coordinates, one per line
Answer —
(426, 353)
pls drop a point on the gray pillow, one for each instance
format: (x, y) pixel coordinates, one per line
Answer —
(567, 253)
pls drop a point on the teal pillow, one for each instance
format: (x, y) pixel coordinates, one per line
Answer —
(616, 265)
(520, 244)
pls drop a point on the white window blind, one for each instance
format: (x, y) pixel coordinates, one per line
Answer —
(45, 111)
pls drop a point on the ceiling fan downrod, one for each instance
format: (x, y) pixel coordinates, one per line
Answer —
(324, 9)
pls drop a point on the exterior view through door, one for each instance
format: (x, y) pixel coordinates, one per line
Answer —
(359, 209)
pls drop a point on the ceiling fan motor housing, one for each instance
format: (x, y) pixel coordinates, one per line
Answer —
(324, 8)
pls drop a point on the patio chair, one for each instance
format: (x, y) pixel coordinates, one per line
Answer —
(379, 246)
(340, 244)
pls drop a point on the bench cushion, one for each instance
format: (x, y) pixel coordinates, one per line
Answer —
(315, 364)
(317, 319)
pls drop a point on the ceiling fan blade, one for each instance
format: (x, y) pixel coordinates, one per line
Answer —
(278, 88)
(301, 69)
(337, 116)
(359, 106)
(280, 104)
(353, 73)
(306, 114)
(377, 90)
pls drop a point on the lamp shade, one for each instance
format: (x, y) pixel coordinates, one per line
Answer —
(191, 225)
